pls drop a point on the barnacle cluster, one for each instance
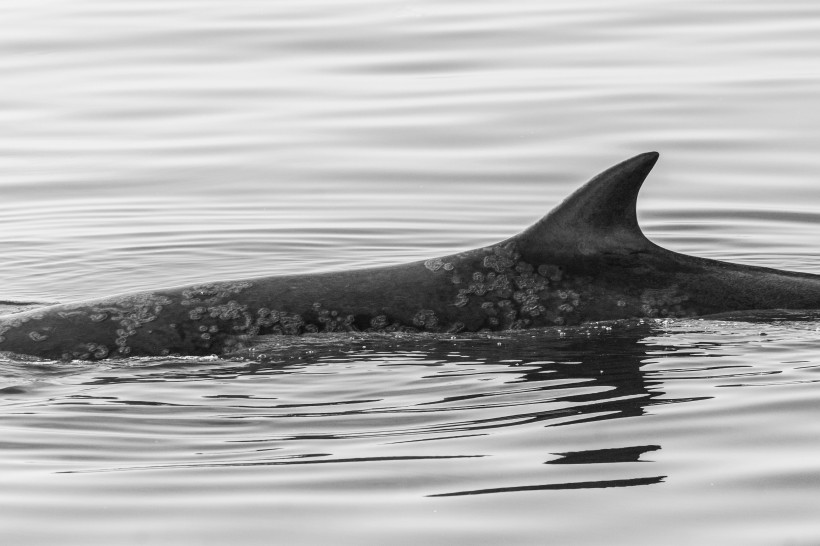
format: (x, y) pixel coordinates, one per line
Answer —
(130, 313)
(15, 322)
(510, 291)
(664, 302)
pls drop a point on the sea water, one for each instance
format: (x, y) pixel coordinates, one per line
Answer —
(151, 144)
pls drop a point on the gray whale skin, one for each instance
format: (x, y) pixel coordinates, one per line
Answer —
(586, 260)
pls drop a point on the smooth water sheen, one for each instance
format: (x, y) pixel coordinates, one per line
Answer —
(150, 144)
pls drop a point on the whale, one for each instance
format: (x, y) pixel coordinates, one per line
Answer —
(586, 260)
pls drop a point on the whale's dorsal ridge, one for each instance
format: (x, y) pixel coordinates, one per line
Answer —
(598, 217)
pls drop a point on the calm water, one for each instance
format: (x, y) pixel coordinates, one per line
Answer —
(160, 143)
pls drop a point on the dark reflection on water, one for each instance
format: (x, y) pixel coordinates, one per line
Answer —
(603, 484)
(313, 399)
(630, 454)
(593, 372)
(307, 458)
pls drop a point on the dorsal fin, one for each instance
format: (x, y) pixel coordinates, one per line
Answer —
(598, 217)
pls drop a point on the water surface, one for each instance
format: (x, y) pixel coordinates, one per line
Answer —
(161, 143)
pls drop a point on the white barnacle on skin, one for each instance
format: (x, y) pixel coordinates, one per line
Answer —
(461, 298)
(379, 321)
(228, 311)
(478, 288)
(37, 336)
(98, 351)
(434, 264)
(529, 301)
(497, 263)
(130, 312)
(663, 301)
(425, 318)
(210, 293)
(525, 268)
(331, 320)
(292, 324)
(265, 317)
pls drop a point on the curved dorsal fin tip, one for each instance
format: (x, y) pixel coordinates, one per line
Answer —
(601, 212)
(631, 172)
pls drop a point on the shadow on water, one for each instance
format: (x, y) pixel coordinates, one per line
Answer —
(310, 399)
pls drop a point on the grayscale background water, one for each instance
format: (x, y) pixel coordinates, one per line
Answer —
(148, 144)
